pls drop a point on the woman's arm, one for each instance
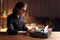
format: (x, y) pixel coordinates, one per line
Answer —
(10, 26)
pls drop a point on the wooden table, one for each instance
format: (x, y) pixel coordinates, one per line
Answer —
(53, 36)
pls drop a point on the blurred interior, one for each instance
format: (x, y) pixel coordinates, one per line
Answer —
(41, 12)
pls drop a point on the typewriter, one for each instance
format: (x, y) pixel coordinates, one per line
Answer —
(42, 32)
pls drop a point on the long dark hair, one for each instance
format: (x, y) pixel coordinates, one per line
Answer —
(19, 5)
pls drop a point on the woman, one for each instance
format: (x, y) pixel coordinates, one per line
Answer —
(15, 21)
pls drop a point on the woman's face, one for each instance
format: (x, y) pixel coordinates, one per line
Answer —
(22, 10)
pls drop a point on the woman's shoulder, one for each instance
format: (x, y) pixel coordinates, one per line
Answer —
(10, 16)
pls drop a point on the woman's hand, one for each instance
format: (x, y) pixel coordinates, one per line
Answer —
(32, 30)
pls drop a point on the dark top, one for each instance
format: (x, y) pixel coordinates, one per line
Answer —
(15, 24)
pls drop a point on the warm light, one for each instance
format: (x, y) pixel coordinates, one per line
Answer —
(30, 26)
(3, 30)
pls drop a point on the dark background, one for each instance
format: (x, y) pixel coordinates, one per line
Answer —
(40, 8)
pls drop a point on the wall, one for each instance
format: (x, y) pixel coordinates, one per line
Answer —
(40, 8)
